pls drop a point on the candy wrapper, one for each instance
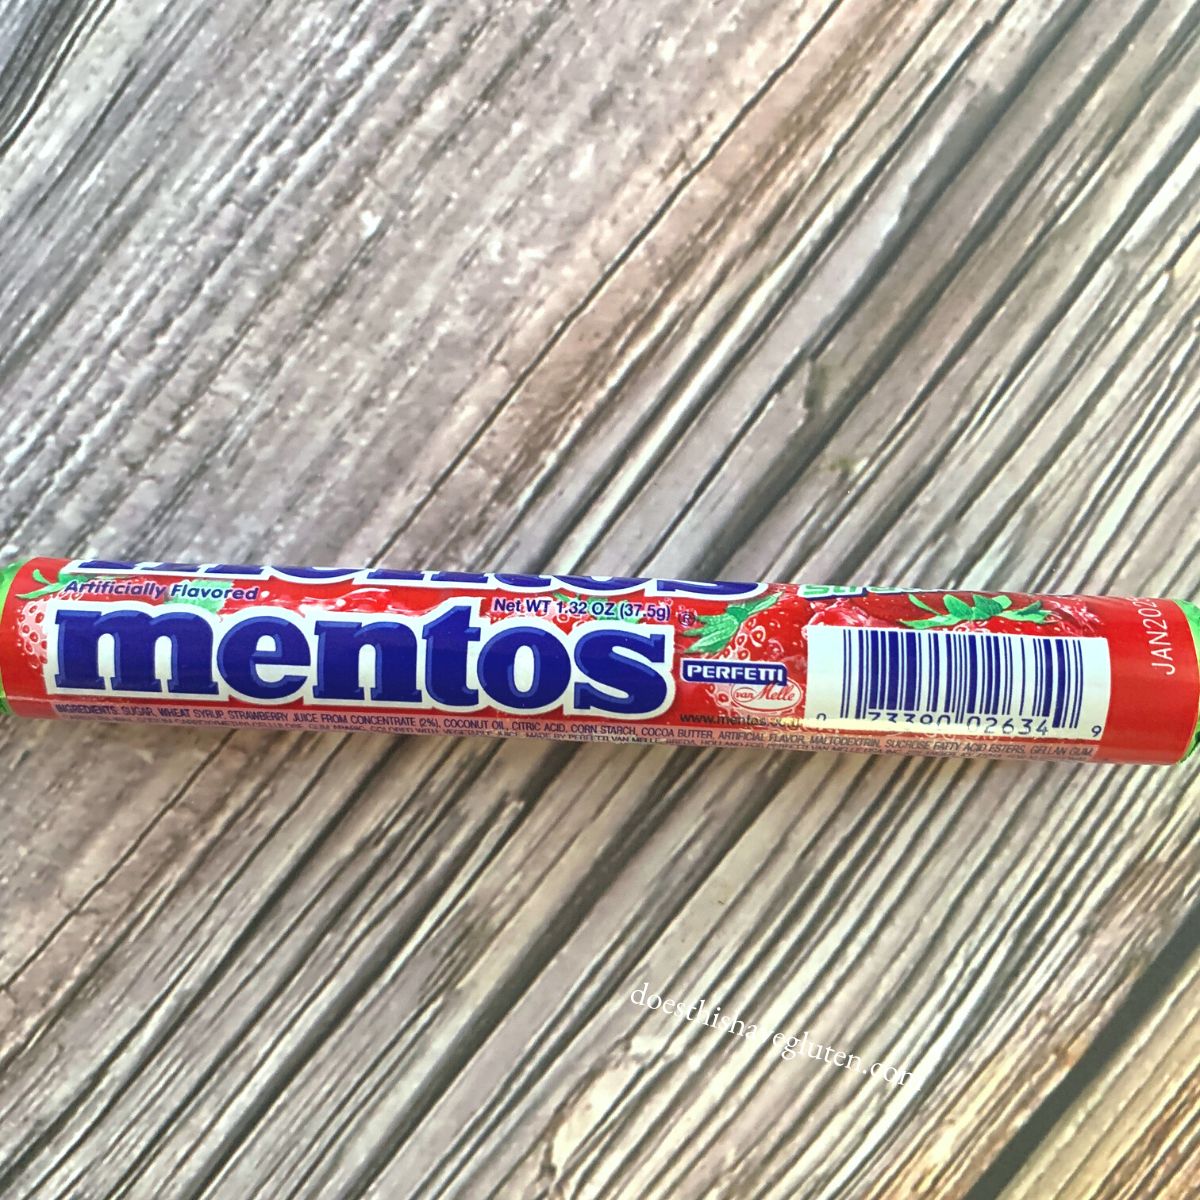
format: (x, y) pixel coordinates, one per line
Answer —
(588, 658)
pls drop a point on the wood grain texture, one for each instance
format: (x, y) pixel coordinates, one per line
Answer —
(1133, 1131)
(836, 291)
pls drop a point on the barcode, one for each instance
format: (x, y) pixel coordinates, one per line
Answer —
(1003, 684)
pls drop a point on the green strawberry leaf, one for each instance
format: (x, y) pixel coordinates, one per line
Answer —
(985, 607)
(716, 636)
(1031, 612)
(958, 609)
(981, 608)
(716, 630)
(938, 622)
(49, 588)
(762, 602)
(1037, 618)
(742, 612)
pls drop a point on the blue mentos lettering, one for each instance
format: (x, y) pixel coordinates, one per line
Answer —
(602, 658)
(448, 660)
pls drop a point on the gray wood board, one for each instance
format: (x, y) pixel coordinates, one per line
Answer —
(859, 291)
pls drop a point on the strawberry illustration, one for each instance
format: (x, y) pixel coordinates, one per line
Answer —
(31, 629)
(847, 612)
(1000, 614)
(978, 613)
(1072, 617)
(764, 630)
(31, 618)
(715, 631)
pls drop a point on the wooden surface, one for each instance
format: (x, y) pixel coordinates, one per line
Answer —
(878, 290)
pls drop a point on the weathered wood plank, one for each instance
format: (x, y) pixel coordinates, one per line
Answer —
(123, 423)
(904, 291)
(1134, 1132)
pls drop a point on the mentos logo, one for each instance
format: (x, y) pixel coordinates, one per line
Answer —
(599, 585)
(448, 659)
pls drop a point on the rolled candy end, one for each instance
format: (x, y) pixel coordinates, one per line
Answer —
(7, 575)
(603, 658)
(1192, 613)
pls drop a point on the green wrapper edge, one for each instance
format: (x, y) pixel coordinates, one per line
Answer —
(1192, 612)
(6, 578)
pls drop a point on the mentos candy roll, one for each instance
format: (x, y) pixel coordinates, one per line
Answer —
(603, 659)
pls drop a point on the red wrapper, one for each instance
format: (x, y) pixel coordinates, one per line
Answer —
(603, 659)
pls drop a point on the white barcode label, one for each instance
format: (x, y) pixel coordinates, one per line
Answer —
(997, 684)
